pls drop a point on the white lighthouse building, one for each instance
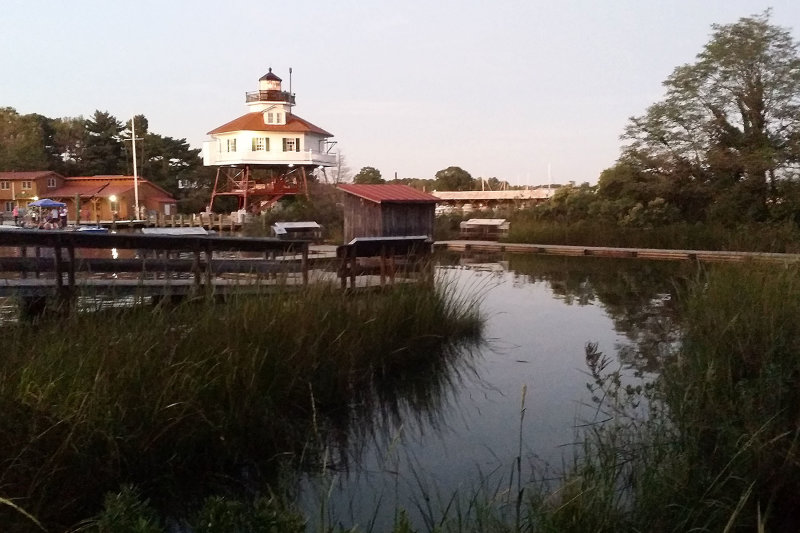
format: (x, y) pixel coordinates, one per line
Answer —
(269, 151)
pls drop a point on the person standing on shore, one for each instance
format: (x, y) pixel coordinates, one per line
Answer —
(62, 215)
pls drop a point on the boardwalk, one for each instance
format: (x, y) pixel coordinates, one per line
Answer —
(604, 251)
(35, 264)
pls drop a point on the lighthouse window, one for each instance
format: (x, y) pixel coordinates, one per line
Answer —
(231, 145)
(260, 144)
(277, 118)
(291, 145)
(270, 118)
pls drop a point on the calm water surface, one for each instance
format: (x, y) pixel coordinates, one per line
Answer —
(541, 312)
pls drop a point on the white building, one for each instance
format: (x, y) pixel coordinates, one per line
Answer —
(269, 133)
(268, 152)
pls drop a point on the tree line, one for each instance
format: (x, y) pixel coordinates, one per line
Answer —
(101, 145)
(452, 178)
(721, 147)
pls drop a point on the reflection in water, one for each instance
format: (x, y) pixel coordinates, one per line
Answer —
(639, 296)
(453, 429)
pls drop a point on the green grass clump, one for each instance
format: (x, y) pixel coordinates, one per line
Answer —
(717, 449)
(181, 400)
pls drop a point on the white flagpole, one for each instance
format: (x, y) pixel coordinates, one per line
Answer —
(135, 173)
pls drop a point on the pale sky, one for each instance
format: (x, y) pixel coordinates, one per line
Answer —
(500, 88)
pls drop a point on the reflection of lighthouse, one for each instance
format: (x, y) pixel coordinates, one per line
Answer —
(268, 152)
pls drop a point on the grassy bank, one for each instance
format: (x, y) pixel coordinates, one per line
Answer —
(187, 401)
(719, 451)
(753, 237)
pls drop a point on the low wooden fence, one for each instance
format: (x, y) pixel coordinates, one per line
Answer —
(210, 221)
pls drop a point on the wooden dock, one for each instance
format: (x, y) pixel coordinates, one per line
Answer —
(66, 265)
(710, 256)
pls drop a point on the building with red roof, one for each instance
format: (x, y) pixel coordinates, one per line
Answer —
(107, 197)
(18, 189)
(267, 152)
(387, 211)
(95, 197)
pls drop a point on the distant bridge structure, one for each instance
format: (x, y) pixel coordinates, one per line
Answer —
(476, 200)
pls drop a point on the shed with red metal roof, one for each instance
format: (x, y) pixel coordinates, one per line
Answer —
(386, 211)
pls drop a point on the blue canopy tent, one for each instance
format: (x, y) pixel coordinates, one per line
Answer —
(46, 202)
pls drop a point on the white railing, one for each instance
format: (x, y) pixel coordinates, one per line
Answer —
(247, 157)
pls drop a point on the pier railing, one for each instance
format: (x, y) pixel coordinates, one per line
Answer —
(36, 262)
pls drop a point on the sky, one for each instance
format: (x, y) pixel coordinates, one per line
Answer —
(525, 91)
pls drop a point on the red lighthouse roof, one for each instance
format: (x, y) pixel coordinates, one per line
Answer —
(269, 76)
(255, 122)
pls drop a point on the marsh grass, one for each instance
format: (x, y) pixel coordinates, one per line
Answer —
(683, 236)
(709, 444)
(718, 449)
(182, 400)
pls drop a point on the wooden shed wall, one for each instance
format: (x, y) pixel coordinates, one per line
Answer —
(363, 218)
(408, 219)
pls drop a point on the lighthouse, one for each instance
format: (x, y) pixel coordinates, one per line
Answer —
(267, 153)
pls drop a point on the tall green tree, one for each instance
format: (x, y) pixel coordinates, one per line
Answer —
(730, 120)
(69, 142)
(454, 179)
(103, 153)
(22, 141)
(368, 176)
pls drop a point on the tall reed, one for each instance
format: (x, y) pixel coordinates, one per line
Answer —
(718, 449)
(177, 399)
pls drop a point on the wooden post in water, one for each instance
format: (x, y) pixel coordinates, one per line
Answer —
(59, 274)
(353, 261)
(71, 267)
(383, 265)
(23, 252)
(196, 270)
(209, 268)
(304, 264)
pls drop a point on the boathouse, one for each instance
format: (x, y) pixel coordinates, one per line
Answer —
(386, 211)
(113, 197)
(267, 153)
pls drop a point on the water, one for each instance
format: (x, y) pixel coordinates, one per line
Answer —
(541, 313)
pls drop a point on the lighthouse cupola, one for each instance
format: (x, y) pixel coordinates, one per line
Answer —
(270, 96)
(269, 82)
